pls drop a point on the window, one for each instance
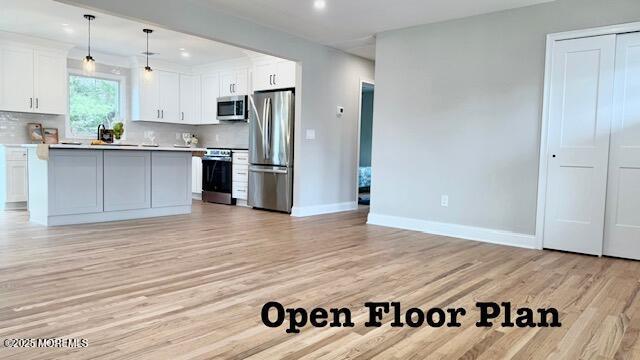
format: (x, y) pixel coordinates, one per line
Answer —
(92, 101)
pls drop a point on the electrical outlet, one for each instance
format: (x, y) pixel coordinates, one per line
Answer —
(444, 201)
(310, 134)
(339, 111)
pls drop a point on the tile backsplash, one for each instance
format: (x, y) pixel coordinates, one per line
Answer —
(13, 126)
(13, 130)
(234, 135)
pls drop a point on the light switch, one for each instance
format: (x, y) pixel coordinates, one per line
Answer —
(310, 134)
(339, 111)
(444, 201)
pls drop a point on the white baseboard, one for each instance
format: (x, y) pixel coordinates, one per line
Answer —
(196, 196)
(492, 236)
(323, 209)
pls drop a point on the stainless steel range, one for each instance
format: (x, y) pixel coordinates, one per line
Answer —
(217, 176)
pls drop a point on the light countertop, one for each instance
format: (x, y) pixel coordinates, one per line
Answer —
(117, 147)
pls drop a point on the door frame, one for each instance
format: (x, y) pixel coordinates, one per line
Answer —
(361, 83)
(544, 129)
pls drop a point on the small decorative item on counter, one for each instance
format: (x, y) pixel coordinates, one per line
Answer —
(186, 137)
(35, 133)
(118, 130)
(150, 138)
(98, 142)
(105, 134)
(194, 140)
(50, 135)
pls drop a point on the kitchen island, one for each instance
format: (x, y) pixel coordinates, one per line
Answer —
(75, 184)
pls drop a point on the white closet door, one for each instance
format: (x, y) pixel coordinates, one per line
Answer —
(580, 113)
(622, 230)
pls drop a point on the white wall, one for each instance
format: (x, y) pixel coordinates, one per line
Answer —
(458, 112)
(324, 167)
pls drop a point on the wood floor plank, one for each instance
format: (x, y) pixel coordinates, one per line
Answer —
(192, 287)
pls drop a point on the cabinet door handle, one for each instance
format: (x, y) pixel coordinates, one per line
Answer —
(162, 113)
(37, 103)
(158, 117)
(183, 116)
(30, 103)
(270, 79)
(274, 79)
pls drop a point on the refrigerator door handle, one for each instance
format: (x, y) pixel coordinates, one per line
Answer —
(264, 129)
(271, 171)
(267, 128)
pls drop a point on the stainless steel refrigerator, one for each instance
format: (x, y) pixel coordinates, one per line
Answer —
(271, 119)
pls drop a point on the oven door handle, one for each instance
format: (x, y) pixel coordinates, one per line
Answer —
(270, 171)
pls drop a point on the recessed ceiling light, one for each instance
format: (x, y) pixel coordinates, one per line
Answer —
(65, 24)
(185, 54)
(319, 4)
(181, 49)
(68, 30)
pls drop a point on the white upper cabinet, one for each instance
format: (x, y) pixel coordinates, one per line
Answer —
(17, 79)
(190, 99)
(157, 97)
(234, 83)
(169, 96)
(50, 84)
(272, 74)
(210, 94)
(146, 103)
(33, 80)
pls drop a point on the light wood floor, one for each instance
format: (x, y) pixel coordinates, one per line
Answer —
(191, 287)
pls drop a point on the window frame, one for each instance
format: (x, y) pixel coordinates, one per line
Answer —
(122, 84)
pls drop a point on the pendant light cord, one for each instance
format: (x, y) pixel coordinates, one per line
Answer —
(147, 49)
(89, 45)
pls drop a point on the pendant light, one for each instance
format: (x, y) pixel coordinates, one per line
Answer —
(88, 63)
(147, 68)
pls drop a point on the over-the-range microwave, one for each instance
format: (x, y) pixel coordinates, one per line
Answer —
(233, 108)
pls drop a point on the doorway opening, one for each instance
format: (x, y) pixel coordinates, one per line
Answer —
(367, 90)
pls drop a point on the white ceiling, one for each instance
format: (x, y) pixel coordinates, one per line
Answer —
(110, 35)
(351, 24)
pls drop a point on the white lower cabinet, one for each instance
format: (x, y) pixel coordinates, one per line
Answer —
(240, 176)
(13, 177)
(196, 177)
(16, 181)
(75, 185)
(127, 184)
(171, 179)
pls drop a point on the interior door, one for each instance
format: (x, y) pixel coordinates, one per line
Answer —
(17, 80)
(622, 229)
(580, 112)
(169, 86)
(50, 85)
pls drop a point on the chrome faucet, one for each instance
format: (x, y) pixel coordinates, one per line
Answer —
(103, 128)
